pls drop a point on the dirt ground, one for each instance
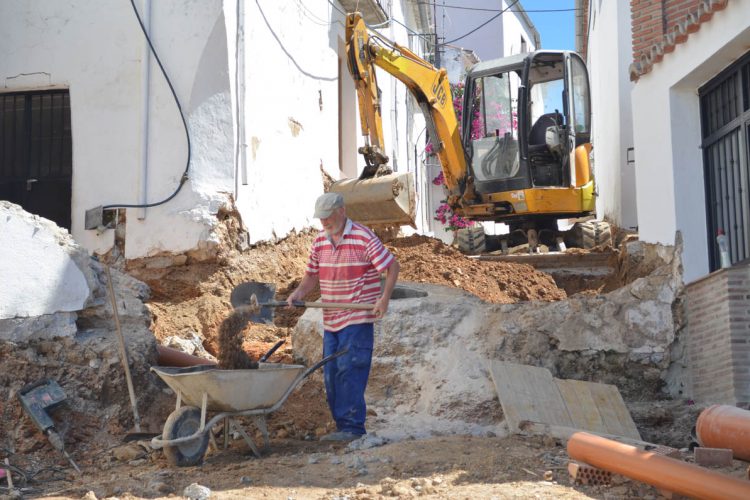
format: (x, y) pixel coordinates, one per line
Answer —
(194, 299)
(441, 467)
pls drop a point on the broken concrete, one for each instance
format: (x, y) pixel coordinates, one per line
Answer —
(44, 271)
(430, 368)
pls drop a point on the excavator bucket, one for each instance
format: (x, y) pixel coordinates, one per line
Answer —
(388, 200)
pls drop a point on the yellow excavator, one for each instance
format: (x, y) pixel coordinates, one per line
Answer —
(521, 155)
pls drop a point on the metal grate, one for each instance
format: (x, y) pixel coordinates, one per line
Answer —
(725, 121)
(36, 158)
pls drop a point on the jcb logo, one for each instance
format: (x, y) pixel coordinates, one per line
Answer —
(439, 92)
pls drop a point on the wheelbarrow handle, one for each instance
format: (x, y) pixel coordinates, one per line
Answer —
(323, 361)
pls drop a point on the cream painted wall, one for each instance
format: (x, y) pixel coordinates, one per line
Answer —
(608, 59)
(666, 123)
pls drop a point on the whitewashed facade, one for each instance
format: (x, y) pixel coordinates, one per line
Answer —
(264, 89)
(608, 55)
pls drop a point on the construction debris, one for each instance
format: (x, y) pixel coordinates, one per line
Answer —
(581, 473)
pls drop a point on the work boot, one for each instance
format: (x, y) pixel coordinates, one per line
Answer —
(340, 436)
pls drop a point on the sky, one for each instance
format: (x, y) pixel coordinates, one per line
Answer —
(557, 29)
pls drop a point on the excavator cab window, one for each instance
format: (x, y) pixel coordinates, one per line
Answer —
(547, 136)
(494, 127)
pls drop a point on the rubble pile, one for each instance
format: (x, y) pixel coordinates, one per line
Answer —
(79, 350)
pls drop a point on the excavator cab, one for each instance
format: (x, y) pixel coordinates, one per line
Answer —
(524, 118)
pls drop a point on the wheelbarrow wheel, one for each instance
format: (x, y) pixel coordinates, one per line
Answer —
(184, 422)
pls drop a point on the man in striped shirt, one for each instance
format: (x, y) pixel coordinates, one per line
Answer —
(346, 260)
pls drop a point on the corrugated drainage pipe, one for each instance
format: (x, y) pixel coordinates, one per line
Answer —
(657, 470)
(173, 357)
(723, 426)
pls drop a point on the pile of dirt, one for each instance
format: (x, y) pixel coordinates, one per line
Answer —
(429, 260)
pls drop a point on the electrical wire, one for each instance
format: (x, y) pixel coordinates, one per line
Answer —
(184, 177)
(460, 7)
(483, 24)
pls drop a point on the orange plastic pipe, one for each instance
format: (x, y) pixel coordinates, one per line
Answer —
(173, 357)
(722, 426)
(657, 470)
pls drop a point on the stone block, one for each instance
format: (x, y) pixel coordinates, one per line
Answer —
(710, 457)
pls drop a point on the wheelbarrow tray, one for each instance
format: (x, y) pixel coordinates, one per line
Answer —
(230, 390)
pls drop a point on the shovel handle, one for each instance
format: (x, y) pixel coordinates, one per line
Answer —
(323, 305)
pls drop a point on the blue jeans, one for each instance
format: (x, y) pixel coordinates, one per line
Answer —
(346, 376)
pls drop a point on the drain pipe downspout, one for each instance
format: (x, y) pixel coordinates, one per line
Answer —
(146, 98)
(657, 470)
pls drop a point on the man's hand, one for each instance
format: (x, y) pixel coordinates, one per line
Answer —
(381, 306)
(294, 297)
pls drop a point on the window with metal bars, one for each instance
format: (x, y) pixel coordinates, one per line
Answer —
(725, 123)
(36, 153)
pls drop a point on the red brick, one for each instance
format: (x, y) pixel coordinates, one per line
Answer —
(709, 457)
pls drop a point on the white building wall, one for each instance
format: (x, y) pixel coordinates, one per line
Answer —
(608, 59)
(666, 123)
(94, 48)
(515, 29)
(286, 96)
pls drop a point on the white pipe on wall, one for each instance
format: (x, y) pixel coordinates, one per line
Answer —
(145, 103)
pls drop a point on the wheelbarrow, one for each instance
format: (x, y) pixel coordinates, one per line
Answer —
(254, 393)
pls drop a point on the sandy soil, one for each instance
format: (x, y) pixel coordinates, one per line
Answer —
(441, 467)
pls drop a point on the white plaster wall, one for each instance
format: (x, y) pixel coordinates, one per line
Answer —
(513, 29)
(666, 123)
(94, 48)
(294, 57)
(608, 59)
(39, 273)
(291, 120)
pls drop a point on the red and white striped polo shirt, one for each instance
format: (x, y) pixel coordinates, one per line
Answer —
(349, 272)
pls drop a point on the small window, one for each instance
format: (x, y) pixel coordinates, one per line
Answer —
(580, 82)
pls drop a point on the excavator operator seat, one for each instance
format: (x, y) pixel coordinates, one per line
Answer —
(546, 165)
(539, 129)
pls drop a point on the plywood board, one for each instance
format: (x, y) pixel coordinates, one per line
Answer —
(529, 393)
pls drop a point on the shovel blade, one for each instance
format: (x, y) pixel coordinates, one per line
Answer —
(264, 292)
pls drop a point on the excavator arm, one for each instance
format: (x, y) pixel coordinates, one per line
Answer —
(365, 50)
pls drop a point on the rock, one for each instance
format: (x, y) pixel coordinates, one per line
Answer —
(159, 488)
(548, 476)
(128, 452)
(313, 459)
(335, 460)
(90, 495)
(246, 480)
(354, 462)
(367, 441)
(196, 491)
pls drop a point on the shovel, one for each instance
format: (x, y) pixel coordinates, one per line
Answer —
(258, 299)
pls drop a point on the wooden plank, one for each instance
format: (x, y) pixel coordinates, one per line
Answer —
(612, 407)
(582, 408)
(528, 393)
